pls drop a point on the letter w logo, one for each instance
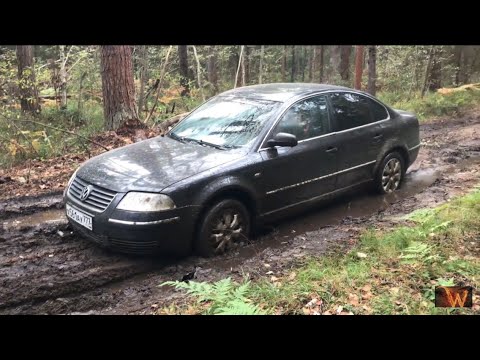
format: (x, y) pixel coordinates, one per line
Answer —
(453, 296)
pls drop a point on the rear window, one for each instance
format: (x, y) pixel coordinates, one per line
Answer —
(378, 110)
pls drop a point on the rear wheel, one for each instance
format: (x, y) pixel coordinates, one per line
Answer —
(390, 173)
(225, 224)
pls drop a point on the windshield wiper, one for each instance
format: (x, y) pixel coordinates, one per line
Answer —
(201, 142)
(176, 137)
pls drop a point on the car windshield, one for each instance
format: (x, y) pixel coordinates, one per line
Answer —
(226, 122)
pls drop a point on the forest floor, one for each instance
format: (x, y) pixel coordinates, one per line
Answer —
(45, 268)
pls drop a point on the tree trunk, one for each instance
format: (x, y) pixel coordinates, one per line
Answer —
(417, 69)
(372, 70)
(313, 58)
(284, 64)
(26, 79)
(292, 73)
(63, 77)
(304, 63)
(459, 56)
(242, 62)
(358, 66)
(246, 66)
(436, 70)
(344, 66)
(117, 86)
(313, 65)
(199, 72)
(260, 70)
(183, 65)
(80, 93)
(143, 78)
(427, 72)
(240, 56)
(212, 68)
(322, 52)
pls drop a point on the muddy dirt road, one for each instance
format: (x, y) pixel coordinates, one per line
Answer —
(47, 269)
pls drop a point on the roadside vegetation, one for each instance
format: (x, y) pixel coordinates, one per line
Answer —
(389, 271)
(449, 102)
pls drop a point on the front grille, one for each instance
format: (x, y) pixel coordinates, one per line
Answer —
(99, 198)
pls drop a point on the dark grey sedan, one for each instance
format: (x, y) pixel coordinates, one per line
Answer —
(246, 156)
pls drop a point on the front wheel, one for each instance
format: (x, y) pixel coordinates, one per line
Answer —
(224, 225)
(390, 173)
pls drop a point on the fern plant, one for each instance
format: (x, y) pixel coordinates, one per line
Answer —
(224, 297)
(418, 251)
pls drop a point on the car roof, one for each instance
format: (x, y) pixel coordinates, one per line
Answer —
(279, 91)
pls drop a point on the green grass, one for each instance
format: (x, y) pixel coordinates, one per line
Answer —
(402, 266)
(398, 275)
(433, 104)
(22, 141)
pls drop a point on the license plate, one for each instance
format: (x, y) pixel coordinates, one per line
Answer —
(79, 217)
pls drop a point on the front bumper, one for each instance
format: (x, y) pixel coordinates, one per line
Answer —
(167, 232)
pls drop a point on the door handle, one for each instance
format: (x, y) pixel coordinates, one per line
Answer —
(331, 149)
(378, 137)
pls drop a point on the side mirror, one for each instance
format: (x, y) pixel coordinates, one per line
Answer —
(283, 139)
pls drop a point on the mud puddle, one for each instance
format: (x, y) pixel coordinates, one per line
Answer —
(38, 219)
(29, 205)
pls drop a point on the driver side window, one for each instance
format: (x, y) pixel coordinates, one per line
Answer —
(305, 119)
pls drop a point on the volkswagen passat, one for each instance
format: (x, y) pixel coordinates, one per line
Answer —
(245, 156)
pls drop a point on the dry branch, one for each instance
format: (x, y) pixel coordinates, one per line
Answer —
(159, 88)
(164, 125)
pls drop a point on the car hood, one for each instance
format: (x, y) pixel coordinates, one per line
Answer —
(152, 165)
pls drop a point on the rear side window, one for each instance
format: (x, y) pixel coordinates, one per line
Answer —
(351, 110)
(378, 110)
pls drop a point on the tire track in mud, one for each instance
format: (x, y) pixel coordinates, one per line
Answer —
(45, 268)
(51, 262)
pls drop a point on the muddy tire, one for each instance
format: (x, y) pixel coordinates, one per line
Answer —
(224, 225)
(390, 173)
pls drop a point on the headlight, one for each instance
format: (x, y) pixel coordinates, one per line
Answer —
(136, 201)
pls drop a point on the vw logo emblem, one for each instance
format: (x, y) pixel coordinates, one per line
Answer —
(85, 192)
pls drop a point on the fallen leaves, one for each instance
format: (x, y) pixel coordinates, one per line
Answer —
(313, 307)
(367, 288)
(21, 179)
(353, 300)
(366, 292)
(394, 290)
(276, 281)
